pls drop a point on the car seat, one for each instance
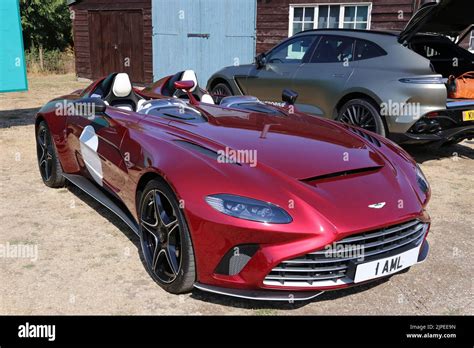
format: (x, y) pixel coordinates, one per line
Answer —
(187, 75)
(121, 94)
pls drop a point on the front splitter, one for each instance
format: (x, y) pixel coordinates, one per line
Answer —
(261, 295)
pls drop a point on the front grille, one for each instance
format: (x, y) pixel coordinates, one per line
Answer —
(327, 268)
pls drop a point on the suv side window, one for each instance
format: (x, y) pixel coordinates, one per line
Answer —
(334, 49)
(291, 51)
(366, 49)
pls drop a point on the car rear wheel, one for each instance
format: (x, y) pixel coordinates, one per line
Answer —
(362, 113)
(220, 91)
(48, 162)
(165, 239)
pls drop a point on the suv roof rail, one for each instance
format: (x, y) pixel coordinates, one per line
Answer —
(383, 32)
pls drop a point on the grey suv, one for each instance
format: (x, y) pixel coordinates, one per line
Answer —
(390, 83)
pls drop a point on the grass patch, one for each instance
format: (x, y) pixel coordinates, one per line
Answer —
(265, 311)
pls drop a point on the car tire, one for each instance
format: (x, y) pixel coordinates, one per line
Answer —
(364, 114)
(220, 91)
(47, 155)
(165, 239)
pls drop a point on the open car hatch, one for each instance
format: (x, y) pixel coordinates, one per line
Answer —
(448, 17)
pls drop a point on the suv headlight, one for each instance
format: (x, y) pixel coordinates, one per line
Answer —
(248, 209)
(421, 180)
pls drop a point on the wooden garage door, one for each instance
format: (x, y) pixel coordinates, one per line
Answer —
(116, 43)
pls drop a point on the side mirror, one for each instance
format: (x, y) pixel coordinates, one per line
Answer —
(260, 60)
(184, 85)
(289, 96)
(187, 86)
(89, 106)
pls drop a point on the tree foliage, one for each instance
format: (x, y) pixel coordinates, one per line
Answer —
(46, 24)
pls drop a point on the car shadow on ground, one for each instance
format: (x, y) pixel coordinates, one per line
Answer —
(112, 218)
(107, 214)
(281, 305)
(17, 117)
(423, 153)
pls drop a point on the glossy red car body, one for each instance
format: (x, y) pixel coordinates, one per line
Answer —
(321, 172)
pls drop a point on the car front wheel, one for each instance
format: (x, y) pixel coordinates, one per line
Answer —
(165, 239)
(363, 114)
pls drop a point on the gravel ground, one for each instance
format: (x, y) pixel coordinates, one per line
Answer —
(89, 261)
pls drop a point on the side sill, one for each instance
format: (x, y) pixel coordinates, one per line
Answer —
(96, 193)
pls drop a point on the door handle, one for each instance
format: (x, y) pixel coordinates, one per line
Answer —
(338, 75)
(202, 36)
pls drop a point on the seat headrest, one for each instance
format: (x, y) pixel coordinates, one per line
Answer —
(122, 87)
(190, 75)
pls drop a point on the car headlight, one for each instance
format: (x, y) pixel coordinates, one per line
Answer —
(421, 180)
(248, 209)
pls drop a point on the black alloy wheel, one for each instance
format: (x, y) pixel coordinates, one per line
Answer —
(363, 114)
(165, 239)
(220, 91)
(48, 162)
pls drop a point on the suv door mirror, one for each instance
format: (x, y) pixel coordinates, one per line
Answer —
(289, 96)
(260, 60)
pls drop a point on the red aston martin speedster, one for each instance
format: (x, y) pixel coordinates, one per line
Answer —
(242, 198)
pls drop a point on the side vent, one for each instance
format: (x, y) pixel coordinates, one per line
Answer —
(341, 174)
(203, 150)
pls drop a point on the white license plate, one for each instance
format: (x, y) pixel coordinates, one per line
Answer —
(386, 266)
